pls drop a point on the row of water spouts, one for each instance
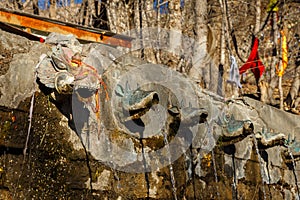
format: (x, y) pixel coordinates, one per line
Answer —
(234, 182)
(262, 173)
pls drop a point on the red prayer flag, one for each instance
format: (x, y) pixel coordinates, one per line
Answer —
(253, 62)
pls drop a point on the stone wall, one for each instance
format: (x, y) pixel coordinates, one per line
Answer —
(59, 165)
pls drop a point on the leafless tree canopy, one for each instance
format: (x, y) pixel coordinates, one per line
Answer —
(221, 28)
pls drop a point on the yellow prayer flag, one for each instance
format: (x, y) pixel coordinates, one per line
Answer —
(271, 5)
(284, 50)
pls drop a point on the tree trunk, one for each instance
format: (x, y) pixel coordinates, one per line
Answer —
(257, 16)
(118, 12)
(52, 9)
(198, 70)
(35, 7)
(175, 27)
(272, 79)
(291, 100)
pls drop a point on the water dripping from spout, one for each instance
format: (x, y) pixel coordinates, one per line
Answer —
(294, 168)
(215, 171)
(209, 135)
(260, 164)
(173, 182)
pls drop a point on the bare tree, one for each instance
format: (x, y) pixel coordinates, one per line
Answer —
(220, 28)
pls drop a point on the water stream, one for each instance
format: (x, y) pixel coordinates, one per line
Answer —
(168, 153)
(234, 182)
(112, 164)
(215, 171)
(260, 164)
(294, 168)
(174, 189)
(116, 177)
(209, 135)
(214, 165)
